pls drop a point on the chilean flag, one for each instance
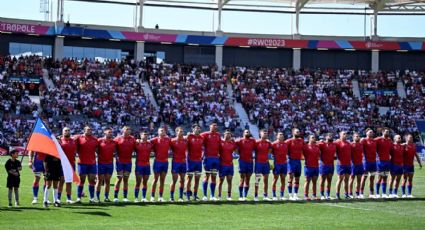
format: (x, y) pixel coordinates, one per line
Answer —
(43, 141)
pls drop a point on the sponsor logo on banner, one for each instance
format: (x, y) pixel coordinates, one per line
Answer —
(151, 37)
(17, 28)
(266, 42)
(23, 28)
(373, 45)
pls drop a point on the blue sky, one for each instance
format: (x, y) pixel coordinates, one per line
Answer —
(205, 20)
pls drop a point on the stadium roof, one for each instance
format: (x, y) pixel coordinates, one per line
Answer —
(297, 7)
(380, 5)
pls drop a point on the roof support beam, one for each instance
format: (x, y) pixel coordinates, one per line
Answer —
(298, 6)
(375, 22)
(140, 26)
(60, 11)
(377, 6)
(220, 9)
(225, 2)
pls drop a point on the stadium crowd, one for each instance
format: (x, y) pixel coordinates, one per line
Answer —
(322, 101)
(192, 94)
(110, 93)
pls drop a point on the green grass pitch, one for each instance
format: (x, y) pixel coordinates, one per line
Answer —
(357, 214)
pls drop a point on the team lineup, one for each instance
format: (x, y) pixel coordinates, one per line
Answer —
(358, 161)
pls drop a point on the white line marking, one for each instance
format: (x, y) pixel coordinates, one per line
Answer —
(341, 206)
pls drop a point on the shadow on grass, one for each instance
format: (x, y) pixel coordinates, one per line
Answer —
(190, 203)
(97, 213)
(23, 208)
(79, 206)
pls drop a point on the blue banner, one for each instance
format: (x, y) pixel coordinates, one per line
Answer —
(36, 79)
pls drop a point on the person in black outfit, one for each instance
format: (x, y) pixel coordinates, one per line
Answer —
(13, 166)
(53, 173)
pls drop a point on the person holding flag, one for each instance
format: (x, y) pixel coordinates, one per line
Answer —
(52, 175)
(70, 148)
(43, 141)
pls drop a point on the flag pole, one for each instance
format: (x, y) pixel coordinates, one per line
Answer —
(33, 128)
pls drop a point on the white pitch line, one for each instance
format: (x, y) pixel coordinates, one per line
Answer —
(341, 206)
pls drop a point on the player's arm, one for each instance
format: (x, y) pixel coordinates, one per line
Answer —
(19, 166)
(419, 160)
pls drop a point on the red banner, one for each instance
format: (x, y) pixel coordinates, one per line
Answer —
(135, 36)
(372, 45)
(261, 42)
(23, 28)
(266, 42)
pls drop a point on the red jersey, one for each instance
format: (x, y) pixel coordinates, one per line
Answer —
(161, 147)
(397, 154)
(179, 148)
(39, 156)
(328, 152)
(262, 148)
(143, 151)
(246, 147)
(343, 152)
(105, 153)
(212, 142)
(311, 155)
(383, 147)
(280, 152)
(409, 154)
(295, 148)
(195, 145)
(357, 153)
(86, 147)
(69, 148)
(125, 148)
(226, 152)
(369, 148)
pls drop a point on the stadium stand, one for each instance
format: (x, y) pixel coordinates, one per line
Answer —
(110, 93)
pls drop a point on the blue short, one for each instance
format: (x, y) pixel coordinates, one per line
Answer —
(193, 166)
(369, 166)
(343, 169)
(262, 168)
(105, 169)
(178, 167)
(294, 166)
(246, 167)
(384, 166)
(225, 171)
(396, 169)
(357, 170)
(160, 167)
(211, 163)
(143, 170)
(310, 171)
(38, 166)
(84, 169)
(326, 169)
(280, 169)
(125, 167)
(409, 169)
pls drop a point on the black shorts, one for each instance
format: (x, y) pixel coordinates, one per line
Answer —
(52, 176)
(13, 182)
